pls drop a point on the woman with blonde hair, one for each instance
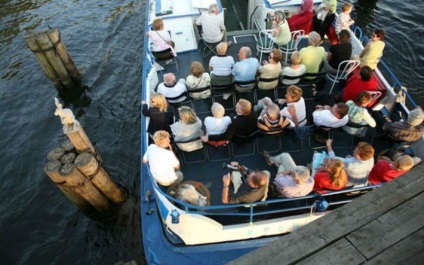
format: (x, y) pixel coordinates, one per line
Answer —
(330, 176)
(221, 66)
(198, 79)
(188, 127)
(161, 115)
(161, 44)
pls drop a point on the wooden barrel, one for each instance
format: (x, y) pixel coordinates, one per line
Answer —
(80, 184)
(89, 166)
(52, 170)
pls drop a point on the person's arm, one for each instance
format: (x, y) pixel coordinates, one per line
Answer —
(365, 50)
(329, 56)
(226, 179)
(145, 109)
(177, 164)
(292, 111)
(369, 119)
(329, 147)
(227, 135)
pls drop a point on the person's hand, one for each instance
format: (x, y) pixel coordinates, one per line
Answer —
(204, 138)
(281, 101)
(235, 163)
(226, 179)
(328, 142)
(264, 62)
(267, 102)
(143, 102)
(327, 107)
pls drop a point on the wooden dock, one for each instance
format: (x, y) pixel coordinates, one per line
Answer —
(385, 226)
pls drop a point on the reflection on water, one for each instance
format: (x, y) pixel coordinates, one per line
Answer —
(365, 12)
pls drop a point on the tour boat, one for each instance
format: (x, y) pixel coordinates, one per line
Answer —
(176, 232)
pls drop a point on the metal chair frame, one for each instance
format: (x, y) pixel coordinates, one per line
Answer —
(291, 47)
(264, 44)
(343, 71)
(183, 152)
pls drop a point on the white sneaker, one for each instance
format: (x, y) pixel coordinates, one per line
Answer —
(226, 96)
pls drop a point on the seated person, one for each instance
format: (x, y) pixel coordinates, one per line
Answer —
(270, 69)
(331, 117)
(245, 70)
(304, 16)
(370, 55)
(271, 122)
(386, 169)
(330, 176)
(170, 88)
(291, 180)
(295, 69)
(221, 65)
(325, 15)
(359, 115)
(161, 115)
(355, 84)
(282, 34)
(313, 55)
(161, 43)
(410, 130)
(338, 52)
(357, 166)
(213, 25)
(188, 127)
(198, 79)
(243, 124)
(164, 165)
(292, 107)
(217, 124)
(249, 186)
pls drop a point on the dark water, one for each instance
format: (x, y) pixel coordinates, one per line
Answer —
(39, 225)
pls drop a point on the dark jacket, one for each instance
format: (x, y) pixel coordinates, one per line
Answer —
(158, 120)
(241, 125)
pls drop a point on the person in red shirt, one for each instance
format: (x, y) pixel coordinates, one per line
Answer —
(385, 169)
(330, 176)
(357, 83)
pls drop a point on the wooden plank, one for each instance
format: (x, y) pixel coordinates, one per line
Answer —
(408, 251)
(330, 228)
(340, 252)
(390, 228)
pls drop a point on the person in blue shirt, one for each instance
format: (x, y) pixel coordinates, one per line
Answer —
(245, 69)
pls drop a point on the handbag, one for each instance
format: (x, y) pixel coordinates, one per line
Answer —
(171, 44)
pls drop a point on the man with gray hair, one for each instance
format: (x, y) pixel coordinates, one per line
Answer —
(408, 131)
(291, 180)
(245, 70)
(213, 25)
(171, 89)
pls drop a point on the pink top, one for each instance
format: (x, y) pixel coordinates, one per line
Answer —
(307, 6)
(159, 40)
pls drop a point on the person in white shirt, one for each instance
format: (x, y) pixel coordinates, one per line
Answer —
(344, 20)
(331, 117)
(217, 124)
(221, 66)
(213, 25)
(170, 88)
(164, 165)
(295, 69)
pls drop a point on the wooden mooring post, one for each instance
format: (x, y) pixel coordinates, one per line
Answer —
(54, 58)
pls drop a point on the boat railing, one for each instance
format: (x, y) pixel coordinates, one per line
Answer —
(264, 208)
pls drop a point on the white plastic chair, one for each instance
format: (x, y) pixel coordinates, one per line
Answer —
(343, 71)
(374, 95)
(264, 44)
(291, 47)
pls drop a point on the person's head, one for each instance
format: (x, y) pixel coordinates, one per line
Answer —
(363, 151)
(363, 98)
(197, 69)
(161, 139)
(337, 172)
(301, 174)
(243, 107)
(415, 117)
(314, 39)
(244, 52)
(273, 111)
(279, 16)
(159, 101)
(347, 7)
(213, 8)
(218, 110)
(404, 162)
(275, 56)
(293, 94)
(366, 73)
(344, 36)
(295, 58)
(187, 115)
(169, 79)
(379, 34)
(158, 24)
(221, 48)
(340, 110)
(257, 179)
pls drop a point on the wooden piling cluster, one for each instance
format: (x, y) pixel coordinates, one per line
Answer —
(54, 58)
(80, 176)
